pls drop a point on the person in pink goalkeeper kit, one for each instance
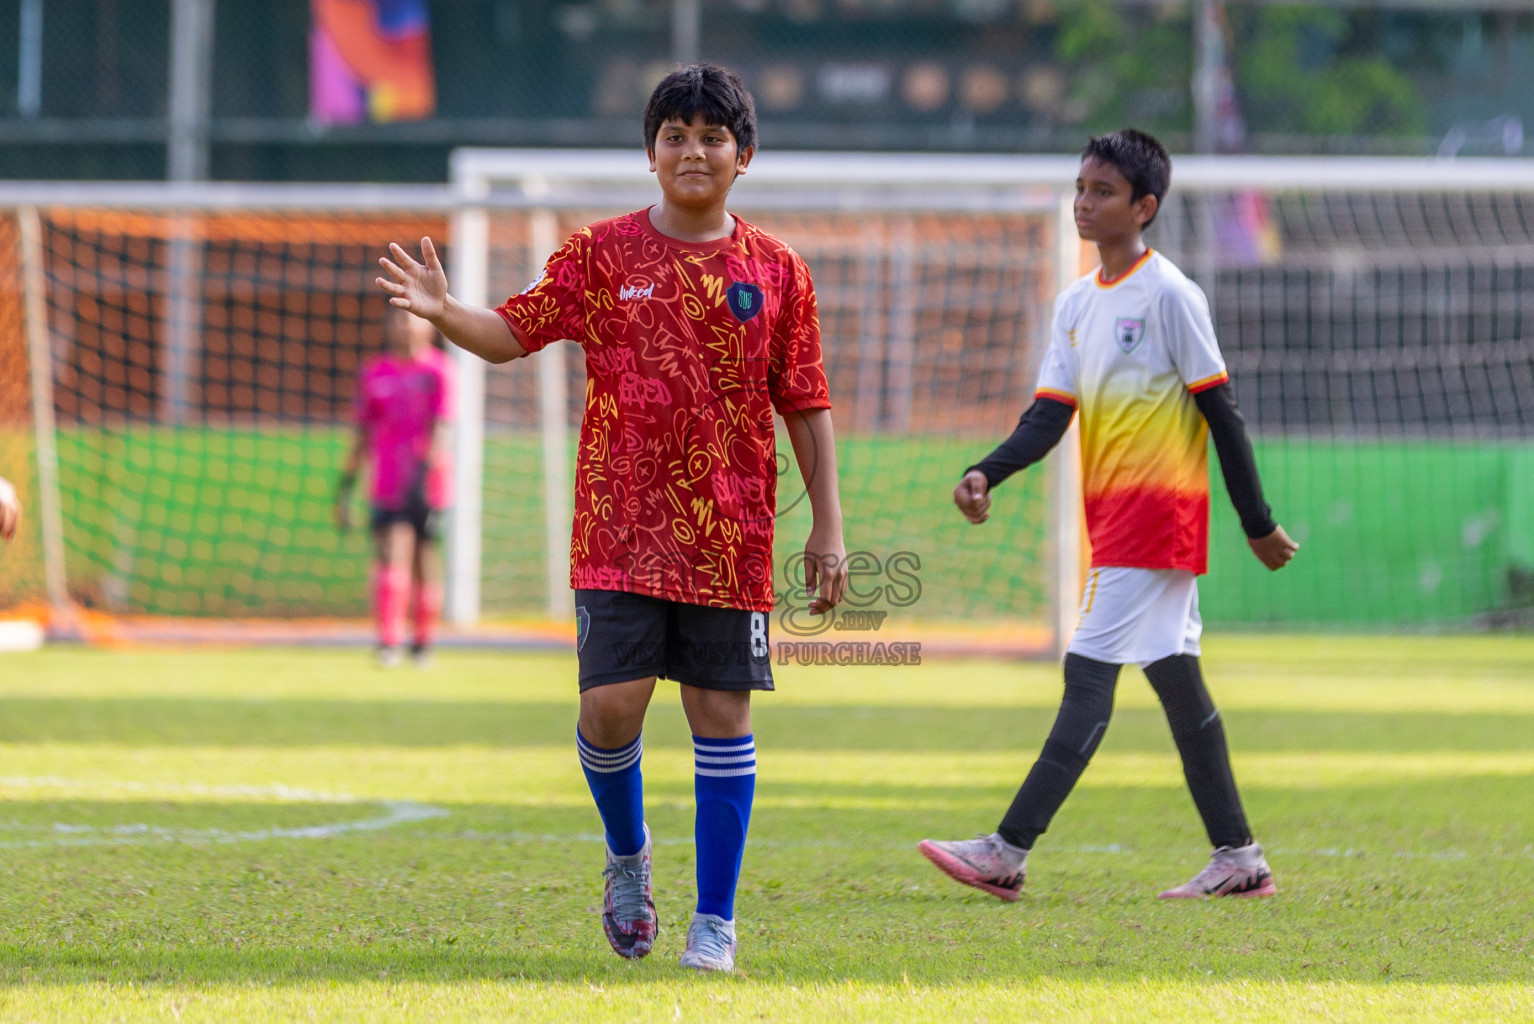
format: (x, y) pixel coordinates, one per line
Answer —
(404, 412)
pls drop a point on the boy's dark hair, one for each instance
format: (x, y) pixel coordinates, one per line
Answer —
(707, 89)
(1140, 158)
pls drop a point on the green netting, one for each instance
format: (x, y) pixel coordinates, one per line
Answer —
(224, 522)
(1393, 533)
(201, 521)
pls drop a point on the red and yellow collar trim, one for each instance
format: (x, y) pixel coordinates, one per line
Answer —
(1103, 282)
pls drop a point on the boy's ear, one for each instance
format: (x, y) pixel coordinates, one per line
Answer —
(1145, 208)
(743, 159)
(649, 151)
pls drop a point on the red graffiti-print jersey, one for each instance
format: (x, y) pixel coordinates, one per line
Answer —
(689, 349)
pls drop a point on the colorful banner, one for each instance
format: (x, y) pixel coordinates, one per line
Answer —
(370, 60)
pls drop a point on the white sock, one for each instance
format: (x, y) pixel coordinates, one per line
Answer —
(1014, 855)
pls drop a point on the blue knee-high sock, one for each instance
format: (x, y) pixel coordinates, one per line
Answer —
(724, 782)
(618, 789)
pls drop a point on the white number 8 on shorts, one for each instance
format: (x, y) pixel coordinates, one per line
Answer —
(758, 635)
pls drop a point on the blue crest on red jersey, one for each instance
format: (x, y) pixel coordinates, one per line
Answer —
(744, 300)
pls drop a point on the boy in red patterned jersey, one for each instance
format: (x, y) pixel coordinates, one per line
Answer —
(696, 327)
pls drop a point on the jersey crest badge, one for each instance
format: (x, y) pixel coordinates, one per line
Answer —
(1128, 333)
(744, 300)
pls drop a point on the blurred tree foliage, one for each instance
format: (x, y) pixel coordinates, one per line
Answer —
(1317, 71)
(1298, 70)
(1126, 64)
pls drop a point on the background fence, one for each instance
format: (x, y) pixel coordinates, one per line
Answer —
(86, 86)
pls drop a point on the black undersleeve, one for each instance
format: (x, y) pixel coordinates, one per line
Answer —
(1228, 429)
(1041, 427)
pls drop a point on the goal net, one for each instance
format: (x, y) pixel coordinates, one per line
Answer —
(186, 366)
(177, 366)
(200, 350)
(1375, 316)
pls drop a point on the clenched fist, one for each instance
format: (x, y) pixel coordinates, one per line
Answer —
(973, 496)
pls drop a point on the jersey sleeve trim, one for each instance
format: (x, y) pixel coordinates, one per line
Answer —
(808, 403)
(519, 332)
(1056, 395)
(1213, 381)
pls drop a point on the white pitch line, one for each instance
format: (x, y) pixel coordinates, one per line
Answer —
(396, 812)
(277, 790)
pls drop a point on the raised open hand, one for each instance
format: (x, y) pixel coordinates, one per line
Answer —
(419, 287)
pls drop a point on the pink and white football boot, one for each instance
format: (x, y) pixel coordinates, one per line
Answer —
(986, 862)
(628, 903)
(1232, 871)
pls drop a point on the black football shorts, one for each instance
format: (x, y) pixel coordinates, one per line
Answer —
(426, 521)
(622, 636)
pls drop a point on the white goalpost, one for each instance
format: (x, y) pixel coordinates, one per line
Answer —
(858, 188)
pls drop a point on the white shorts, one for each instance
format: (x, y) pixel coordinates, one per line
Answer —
(1137, 616)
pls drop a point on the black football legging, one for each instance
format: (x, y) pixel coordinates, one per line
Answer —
(1079, 728)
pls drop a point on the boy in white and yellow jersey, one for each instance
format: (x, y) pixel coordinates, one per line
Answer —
(1132, 349)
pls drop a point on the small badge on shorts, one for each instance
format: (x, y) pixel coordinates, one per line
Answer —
(1128, 333)
(744, 300)
(582, 627)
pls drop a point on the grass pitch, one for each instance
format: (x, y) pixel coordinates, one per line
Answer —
(294, 835)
